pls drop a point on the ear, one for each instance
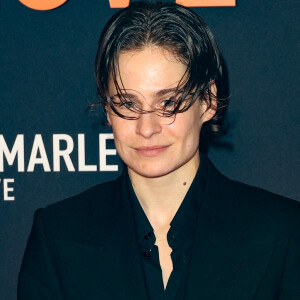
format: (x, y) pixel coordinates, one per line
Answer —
(211, 111)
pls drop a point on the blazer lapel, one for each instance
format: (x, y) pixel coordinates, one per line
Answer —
(226, 262)
(105, 263)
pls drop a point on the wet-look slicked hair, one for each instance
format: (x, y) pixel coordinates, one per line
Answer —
(173, 28)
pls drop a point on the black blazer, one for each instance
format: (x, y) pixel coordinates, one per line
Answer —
(247, 246)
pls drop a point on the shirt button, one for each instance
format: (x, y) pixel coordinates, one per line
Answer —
(147, 236)
(147, 254)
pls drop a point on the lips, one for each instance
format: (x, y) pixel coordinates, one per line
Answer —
(151, 151)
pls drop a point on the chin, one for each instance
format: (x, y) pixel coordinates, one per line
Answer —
(152, 170)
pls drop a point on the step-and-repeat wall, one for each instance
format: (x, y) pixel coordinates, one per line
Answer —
(52, 146)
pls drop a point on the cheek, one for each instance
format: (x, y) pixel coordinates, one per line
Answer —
(192, 136)
(122, 131)
(187, 128)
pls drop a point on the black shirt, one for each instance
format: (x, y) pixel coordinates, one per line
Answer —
(180, 238)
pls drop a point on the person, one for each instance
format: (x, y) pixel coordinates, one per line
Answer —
(171, 226)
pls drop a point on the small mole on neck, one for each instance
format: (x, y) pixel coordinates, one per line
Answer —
(184, 183)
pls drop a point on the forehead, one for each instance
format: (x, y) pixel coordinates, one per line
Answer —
(148, 71)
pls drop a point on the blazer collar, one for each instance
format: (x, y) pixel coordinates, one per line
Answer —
(112, 225)
(228, 260)
(105, 263)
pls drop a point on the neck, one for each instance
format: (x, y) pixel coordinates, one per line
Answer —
(160, 197)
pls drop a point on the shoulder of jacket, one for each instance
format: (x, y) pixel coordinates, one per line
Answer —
(261, 208)
(77, 208)
(265, 208)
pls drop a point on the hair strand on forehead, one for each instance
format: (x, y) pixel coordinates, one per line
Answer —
(177, 30)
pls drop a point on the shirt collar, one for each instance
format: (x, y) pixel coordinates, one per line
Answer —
(184, 219)
(143, 226)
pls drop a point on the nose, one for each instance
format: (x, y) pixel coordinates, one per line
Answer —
(148, 124)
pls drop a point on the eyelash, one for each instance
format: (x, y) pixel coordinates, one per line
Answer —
(132, 103)
(126, 103)
(173, 102)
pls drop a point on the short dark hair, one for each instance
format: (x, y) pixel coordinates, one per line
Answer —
(176, 29)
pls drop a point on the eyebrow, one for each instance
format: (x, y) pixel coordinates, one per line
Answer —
(167, 91)
(157, 93)
(126, 95)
